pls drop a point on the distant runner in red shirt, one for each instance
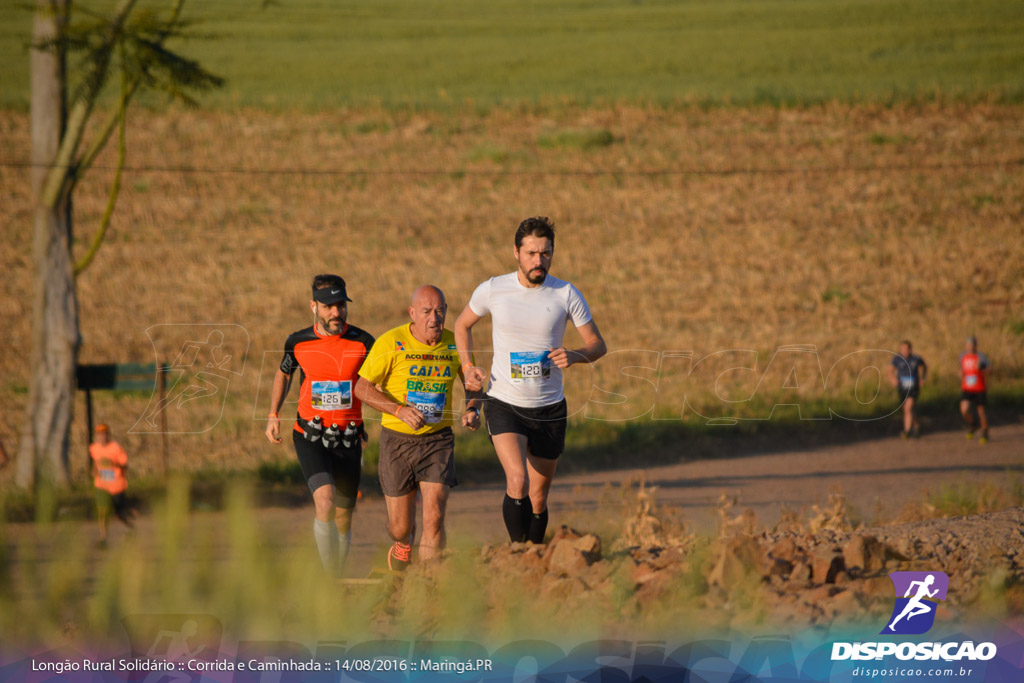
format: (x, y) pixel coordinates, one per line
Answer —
(109, 463)
(328, 433)
(974, 367)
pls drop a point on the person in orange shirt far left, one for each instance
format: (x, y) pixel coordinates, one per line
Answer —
(109, 463)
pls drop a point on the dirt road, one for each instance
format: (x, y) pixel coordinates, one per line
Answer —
(877, 477)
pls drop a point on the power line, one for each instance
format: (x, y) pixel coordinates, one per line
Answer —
(597, 172)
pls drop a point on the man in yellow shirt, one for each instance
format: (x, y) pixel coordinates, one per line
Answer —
(409, 375)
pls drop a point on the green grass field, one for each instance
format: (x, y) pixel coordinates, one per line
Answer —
(436, 53)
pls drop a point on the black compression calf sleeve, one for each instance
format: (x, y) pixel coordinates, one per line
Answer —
(515, 511)
(538, 526)
(527, 511)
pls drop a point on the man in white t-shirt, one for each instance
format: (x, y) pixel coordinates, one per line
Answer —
(525, 405)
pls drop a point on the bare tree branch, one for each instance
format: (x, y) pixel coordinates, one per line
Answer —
(115, 188)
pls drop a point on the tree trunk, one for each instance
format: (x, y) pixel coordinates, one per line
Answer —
(43, 452)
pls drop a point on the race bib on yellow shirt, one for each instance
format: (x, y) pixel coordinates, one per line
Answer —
(529, 366)
(332, 395)
(429, 403)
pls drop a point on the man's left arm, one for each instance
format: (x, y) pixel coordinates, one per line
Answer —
(592, 349)
(474, 401)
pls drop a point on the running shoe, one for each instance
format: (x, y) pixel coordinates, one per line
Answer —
(399, 557)
(983, 439)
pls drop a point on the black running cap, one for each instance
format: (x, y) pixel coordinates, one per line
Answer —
(332, 294)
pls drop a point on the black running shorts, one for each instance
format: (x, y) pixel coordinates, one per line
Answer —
(340, 467)
(544, 427)
(975, 398)
(912, 392)
(106, 502)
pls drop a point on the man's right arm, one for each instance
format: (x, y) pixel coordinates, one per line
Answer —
(474, 376)
(366, 392)
(282, 383)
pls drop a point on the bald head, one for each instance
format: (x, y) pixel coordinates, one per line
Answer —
(427, 293)
(428, 310)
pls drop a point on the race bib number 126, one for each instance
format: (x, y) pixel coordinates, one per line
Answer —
(332, 395)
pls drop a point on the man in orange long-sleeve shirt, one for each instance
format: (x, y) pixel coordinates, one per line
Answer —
(109, 462)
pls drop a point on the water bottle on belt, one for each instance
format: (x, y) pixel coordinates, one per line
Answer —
(331, 435)
(314, 429)
(351, 436)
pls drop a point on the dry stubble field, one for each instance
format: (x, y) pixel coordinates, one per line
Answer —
(845, 227)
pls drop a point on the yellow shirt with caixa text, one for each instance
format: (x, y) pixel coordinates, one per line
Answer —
(414, 374)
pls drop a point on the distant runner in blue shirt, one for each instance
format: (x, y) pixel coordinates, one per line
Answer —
(907, 373)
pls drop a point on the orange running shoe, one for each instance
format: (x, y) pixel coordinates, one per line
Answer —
(399, 557)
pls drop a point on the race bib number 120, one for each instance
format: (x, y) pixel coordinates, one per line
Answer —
(529, 366)
(332, 395)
